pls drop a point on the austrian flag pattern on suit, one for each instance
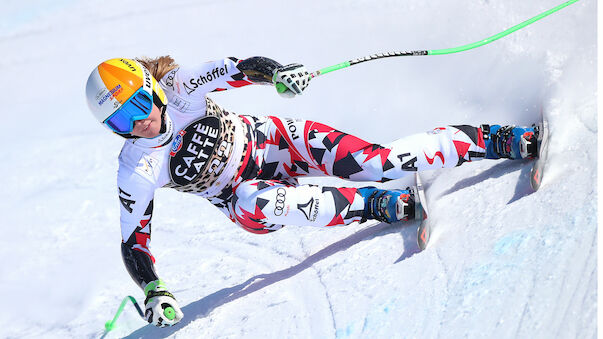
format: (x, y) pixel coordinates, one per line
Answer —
(284, 149)
(248, 166)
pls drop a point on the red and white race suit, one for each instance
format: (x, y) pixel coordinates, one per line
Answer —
(247, 166)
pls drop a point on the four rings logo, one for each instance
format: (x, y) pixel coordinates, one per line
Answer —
(279, 206)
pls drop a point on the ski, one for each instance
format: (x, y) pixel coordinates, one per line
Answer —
(421, 212)
(543, 143)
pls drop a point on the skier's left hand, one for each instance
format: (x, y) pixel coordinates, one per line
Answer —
(295, 77)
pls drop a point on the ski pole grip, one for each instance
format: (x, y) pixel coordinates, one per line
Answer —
(280, 87)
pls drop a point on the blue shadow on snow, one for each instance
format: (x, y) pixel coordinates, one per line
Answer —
(204, 306)
(522, 188)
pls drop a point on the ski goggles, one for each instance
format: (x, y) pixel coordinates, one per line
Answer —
(138, 107)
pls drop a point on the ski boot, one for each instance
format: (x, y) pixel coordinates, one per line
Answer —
(510, 142)
(388, 205)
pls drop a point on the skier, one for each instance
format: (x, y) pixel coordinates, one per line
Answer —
(177, 137)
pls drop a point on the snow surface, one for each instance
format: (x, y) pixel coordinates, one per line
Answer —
(502, 262)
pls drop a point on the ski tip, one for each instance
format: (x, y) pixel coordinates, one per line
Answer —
(423, 231)
(539, 164)
(536, 178)
(418, 179)
(423, 234)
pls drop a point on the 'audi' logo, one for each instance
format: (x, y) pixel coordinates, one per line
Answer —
(280, 201)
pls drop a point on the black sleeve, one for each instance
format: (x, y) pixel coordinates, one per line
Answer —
(258, 69)
(139, 265)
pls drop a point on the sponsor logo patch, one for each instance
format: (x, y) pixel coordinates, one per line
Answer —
(181, 104)
(111, 94)
(279, 205)
(310, 209)
(292, 128)
(169, 79)
(196, 145)
(146, 165)
(203, 79)
(127, 63)
(177, 143)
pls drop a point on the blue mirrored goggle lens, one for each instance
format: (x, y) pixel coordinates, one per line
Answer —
(138, 107)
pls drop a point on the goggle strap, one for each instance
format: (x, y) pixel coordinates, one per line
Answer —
(157, 101)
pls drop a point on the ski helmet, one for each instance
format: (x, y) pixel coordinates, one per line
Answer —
(112, 83)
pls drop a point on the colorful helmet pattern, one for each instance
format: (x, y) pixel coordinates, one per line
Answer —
(114, 81)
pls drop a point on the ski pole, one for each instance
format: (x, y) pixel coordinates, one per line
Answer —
(280, 87)
(109, 325)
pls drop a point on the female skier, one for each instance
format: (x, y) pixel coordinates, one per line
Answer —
(177, 137)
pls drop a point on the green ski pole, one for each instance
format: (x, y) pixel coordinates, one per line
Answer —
(280, 87)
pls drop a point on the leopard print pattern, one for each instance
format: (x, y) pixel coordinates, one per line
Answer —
(222, 200)
(221, 155)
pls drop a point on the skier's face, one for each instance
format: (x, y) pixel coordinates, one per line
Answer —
(149, 127)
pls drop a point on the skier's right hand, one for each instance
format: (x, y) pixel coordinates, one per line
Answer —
(161, 308)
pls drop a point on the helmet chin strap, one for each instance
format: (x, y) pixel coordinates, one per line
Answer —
(163, 128)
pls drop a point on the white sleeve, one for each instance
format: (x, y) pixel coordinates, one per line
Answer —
(136, 192)
(193, 83)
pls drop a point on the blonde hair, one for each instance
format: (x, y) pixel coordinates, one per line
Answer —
(159, 66)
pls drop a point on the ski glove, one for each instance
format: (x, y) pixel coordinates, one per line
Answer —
(294, 76)
(161, 308)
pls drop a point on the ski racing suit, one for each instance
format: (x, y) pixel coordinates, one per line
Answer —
(247, 166)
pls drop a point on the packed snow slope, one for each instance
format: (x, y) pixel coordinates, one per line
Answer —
(503, 263)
